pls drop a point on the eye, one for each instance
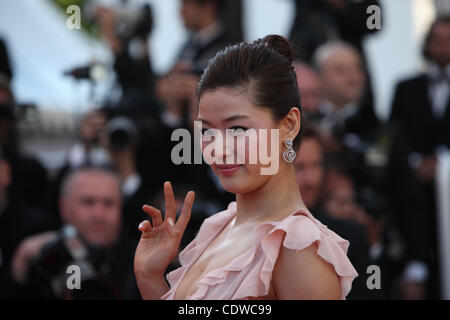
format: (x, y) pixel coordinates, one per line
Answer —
(87, 201)
(207, 132)
(238, 129)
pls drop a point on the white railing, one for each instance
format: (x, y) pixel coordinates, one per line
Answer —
(443, 220)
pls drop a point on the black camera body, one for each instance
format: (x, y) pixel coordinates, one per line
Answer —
(51, 273)
(122, 133)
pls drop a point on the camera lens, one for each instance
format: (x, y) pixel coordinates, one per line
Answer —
(122, 133)
(119, 139)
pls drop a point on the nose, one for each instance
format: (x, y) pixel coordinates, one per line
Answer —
(98, 211)
(224, 149)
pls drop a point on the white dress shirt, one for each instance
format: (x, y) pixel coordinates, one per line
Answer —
(439, 89)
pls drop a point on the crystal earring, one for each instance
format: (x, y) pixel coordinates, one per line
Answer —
(289, 155)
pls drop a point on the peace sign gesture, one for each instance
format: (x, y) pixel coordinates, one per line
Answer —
(159, 243)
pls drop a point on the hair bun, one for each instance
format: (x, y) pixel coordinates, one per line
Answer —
(279, 44)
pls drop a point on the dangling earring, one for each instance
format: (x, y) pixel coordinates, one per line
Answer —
(289, 155)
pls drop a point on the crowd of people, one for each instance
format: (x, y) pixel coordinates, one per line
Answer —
(371, 182)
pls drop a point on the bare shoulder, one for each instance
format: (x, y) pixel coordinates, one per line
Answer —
(304, 274)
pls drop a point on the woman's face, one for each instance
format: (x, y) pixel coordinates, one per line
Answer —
(227, 108)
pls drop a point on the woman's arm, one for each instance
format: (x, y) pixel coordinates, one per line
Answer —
(305, 275)
(151, 287)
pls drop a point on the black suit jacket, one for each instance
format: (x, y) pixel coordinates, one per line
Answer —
(422, 132)
(316, 22)
(200, 53)
(412, 111)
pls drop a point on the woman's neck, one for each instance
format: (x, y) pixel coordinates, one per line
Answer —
(279, 197)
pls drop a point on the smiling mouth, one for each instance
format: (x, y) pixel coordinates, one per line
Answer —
(227, 169)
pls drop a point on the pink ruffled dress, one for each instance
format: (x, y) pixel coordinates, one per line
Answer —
(250, 274)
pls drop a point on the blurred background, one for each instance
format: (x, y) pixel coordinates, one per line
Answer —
(392, 54)
(102, 98)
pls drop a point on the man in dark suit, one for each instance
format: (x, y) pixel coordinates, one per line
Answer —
(344, 110)
(207, 35)
(420, 105)
(319, 21)
(90, 205)
(421, 111)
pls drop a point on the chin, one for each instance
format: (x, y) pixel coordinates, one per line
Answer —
(235, 187)
(100, 241)
(242, 185)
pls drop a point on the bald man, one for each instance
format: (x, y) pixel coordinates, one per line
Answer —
(90, 207)
(310, 89)
(91, 201)
(346, 106)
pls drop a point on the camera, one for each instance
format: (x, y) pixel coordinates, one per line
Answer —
(48, 275)
(134, 18)
(134, 21)
(122, 133)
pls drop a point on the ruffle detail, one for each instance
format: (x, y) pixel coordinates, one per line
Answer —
(218, 276)
(299, 232)
(210, 226)
(252, 270)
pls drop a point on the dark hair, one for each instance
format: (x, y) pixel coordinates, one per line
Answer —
(218, 3)
(264, 67)
(439, 20)
(211, 1)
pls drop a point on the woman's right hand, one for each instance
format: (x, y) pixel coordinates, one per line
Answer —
(159, 243)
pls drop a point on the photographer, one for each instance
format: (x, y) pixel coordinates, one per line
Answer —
(126, 27)
(121, 138)
(86, 150)
(90, 206)
(208, 35)
(18, 220)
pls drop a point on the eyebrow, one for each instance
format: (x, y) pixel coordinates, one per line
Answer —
(235, 117)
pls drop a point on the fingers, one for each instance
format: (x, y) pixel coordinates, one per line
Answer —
(171, 209)
(145, 226)
(154, 213)
(186, 211)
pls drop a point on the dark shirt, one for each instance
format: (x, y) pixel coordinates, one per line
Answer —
(18, 221)
(109, 275)
(317, 22)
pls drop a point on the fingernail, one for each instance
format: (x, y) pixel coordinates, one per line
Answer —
(141, 226)
(170, 222)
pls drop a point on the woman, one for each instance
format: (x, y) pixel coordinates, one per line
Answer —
(265, 245)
